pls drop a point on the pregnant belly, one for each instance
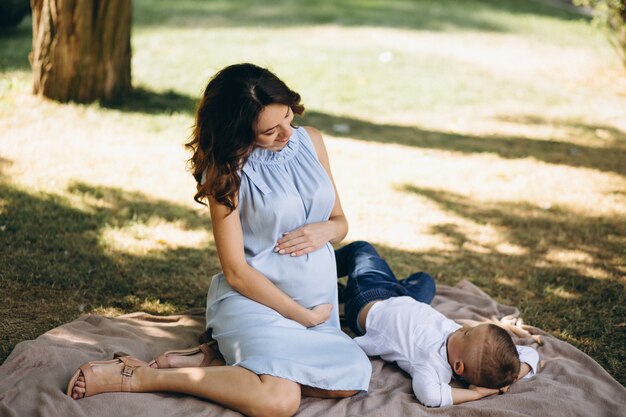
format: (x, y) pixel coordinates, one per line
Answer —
(308, 279)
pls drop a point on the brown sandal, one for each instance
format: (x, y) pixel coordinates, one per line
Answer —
(92, 387)
(206, 348)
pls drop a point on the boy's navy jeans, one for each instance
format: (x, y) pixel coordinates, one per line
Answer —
(370, 278)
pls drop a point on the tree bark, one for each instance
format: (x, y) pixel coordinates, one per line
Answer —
(81, 49)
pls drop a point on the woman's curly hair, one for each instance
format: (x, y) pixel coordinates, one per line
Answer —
(224, 132)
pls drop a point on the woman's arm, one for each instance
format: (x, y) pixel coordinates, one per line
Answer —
(312, 236)
(248, 281)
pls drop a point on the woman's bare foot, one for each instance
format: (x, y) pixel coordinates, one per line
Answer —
(78, 391)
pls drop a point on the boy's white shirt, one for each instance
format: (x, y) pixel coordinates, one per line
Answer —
(414, 335)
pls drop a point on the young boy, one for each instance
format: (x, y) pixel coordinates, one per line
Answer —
(396, 323)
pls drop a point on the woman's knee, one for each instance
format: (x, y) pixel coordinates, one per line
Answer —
(282, 398)
(281, 406)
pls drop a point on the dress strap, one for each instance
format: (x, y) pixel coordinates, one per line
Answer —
(256, 179)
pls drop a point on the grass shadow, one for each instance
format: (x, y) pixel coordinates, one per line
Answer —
(608, 134)
(144, 100)
(429, 15)
(55, 265)
(15, 45)
(607, 159)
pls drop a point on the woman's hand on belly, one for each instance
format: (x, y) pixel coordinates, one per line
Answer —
(316, 315)
(305, 239)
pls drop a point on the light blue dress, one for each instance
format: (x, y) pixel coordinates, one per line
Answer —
(281, 191)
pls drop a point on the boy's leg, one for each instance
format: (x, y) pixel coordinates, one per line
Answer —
(365, 268)
(369, 278)
(344, 256)
(420, 286)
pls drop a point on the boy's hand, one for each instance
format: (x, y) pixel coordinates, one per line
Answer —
(484, 392)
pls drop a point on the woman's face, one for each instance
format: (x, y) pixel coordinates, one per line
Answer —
(273, 128)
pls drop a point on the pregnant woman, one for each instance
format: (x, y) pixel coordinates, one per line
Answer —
(273, 308)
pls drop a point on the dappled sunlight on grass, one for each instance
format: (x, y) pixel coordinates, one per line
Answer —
(155, 235)
(107, 311)
(551, 237)
(127, 208)
(584, 269)
(155, 306)
(515, 283)
(562, 293)
(133, 303)
(603, 158)
(506, 248)
(428, 15)
(457, 185)
(576, 259)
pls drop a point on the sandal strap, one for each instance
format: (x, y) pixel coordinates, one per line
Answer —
(163, 362)
(130, 364)
(88, 376)
(92, 387)
(127, 375)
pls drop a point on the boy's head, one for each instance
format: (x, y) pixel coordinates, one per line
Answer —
(484, 355)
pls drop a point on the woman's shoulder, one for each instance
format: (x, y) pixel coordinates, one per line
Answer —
(315, 136)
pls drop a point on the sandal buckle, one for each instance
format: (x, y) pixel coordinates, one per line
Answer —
(128, 371)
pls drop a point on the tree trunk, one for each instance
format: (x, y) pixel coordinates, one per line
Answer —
(81, 49)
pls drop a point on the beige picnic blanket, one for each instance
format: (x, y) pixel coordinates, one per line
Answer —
(34, 376)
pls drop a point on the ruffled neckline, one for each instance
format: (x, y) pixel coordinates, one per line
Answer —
(267, 156)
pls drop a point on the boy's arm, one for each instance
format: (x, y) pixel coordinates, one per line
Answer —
(529, 360)
(428, 389)
(432, 393)
(463, 395)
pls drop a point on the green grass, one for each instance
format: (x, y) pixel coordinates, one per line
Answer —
(485, 141)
